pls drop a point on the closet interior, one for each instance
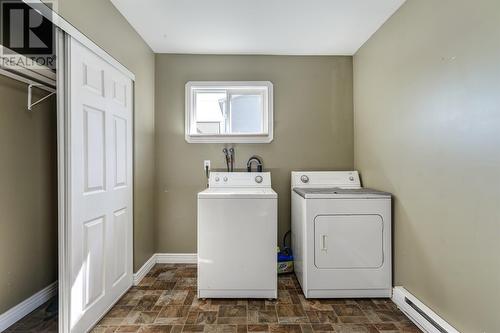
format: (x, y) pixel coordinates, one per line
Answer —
(28, 194)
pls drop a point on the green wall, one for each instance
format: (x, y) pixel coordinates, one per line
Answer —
(427, 124)
(312, 122)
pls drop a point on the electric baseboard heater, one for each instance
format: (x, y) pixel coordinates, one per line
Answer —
(426, 317)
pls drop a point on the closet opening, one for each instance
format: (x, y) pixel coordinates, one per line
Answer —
(28, 171)
(66, 168)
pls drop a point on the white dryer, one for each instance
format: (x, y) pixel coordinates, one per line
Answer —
(341, 236)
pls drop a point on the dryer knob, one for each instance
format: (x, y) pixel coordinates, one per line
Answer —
(258, 179)
(351, 178)
(304, 179)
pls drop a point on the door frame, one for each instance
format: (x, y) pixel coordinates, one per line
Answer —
(64, 28)
(63, 146)
(71, 30)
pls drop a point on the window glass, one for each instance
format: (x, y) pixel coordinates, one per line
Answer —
(210, 112)
(229, 112)
(246, 114)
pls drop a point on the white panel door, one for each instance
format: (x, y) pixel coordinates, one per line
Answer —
(100, 185)
(348, 241)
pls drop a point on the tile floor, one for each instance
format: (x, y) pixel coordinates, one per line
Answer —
(44, 319)
(166, 301)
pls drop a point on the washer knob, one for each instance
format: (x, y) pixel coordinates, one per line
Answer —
(258, 179)
(225, 179)
(351, 178)
(304, 179)
(217, 179)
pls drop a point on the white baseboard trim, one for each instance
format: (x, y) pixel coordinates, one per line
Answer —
(141, 273)
(24, 308)
(164, 258)
(400, 296)
(176, 258)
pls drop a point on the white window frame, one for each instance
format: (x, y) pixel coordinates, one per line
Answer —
(190, 116)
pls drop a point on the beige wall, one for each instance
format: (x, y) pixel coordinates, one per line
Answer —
(427, 124)
(102, 23)
(28, 194)
(28, 185)
(313, 130)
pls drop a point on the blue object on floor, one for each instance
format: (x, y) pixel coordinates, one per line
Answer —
(285, 261)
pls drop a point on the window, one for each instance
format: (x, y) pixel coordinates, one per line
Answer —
(229, 112)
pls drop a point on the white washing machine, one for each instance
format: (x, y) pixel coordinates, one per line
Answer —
(237, 236)
(341, 236)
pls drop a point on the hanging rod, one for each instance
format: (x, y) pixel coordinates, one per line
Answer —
(21, 78)
(31, 84)
(40, 77)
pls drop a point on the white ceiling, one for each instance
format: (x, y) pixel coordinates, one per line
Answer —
(295, 27)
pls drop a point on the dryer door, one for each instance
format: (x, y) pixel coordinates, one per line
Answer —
(348, 241)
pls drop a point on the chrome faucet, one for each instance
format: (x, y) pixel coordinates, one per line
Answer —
(231, 158)
(229, 154)
(226, 155)
(257, 160)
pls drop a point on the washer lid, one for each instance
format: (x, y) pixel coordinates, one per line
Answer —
(340, 193)
(238, 193)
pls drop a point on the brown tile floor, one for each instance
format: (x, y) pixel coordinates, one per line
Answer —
(42, 319)
(166, 301)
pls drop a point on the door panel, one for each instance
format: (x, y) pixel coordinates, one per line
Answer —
(93, 78)
(120, 93)
(120, 137)
(119, 243)
(94, 260)
(100, 179)
(348, 241)
(94, 132)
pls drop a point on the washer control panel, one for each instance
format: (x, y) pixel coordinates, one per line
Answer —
(240, 179)
(340, 179)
